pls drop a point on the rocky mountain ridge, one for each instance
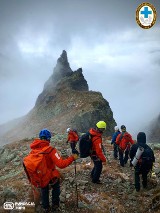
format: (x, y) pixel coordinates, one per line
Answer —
(64, 102)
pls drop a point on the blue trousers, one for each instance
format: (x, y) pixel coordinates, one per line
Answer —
(55, 195)
(115, 152)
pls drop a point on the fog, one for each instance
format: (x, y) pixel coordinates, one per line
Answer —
(118, 58)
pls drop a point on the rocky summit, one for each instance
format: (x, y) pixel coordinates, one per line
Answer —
(64, 102)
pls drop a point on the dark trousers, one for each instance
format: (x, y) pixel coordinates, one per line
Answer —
(55, 195)
(115, 150)
(140, 170)
(123, 156)
(73, 147)
(96, 171)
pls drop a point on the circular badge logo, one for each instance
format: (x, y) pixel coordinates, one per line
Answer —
(146, 15)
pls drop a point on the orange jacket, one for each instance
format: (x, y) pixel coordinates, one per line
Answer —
(97, 144)
(72, 136)
(125, 142)
(53, 158)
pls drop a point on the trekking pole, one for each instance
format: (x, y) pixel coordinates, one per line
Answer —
(76, 183)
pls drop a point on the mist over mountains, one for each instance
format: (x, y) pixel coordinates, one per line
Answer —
(64, 102)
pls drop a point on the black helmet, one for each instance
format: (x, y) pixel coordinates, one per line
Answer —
(123, 127)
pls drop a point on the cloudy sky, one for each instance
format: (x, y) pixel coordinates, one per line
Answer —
(118, 58)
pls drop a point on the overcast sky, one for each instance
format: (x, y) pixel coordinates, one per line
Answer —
(118, 58)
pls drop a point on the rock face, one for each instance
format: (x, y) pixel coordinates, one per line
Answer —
(154, 135)
(64, 102)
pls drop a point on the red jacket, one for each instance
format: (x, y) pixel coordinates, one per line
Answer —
(125, 142)
(53, 158)
(72, 136)
(97, 144)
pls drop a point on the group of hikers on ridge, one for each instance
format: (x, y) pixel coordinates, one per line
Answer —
(124, 147)
(40, 165)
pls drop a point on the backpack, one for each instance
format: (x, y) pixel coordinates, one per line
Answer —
(123, 145)
(85, 145)
(146, 159)
(76, 133)
(35, 166)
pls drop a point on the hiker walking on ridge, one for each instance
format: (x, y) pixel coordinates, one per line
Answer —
(72, 139)
(145, 163)
(40, 166)
(124, 142)
(97, 155)
(115, 146)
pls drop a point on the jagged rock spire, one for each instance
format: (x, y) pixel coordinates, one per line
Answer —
(63, 59)
(62, 67)
(61, 70)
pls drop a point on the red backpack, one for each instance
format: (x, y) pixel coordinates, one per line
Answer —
(75, 133)
(35, 166)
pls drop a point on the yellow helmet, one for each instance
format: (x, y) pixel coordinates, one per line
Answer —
(101, 125)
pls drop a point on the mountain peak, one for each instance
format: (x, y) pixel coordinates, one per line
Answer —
(63, 59)
(61, 70)
(62, 67)
(64, 102)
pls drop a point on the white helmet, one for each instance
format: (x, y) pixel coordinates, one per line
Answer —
(68, 129)
(116, 128)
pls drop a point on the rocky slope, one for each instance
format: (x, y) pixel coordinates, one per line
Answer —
(115, 195)
(154, 132)
(64, 102)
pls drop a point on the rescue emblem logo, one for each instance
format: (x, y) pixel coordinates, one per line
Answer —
(146, 15)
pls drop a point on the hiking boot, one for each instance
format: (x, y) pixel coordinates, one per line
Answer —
(45, 210)
(97, 182)
(55, 208)
(136, 192)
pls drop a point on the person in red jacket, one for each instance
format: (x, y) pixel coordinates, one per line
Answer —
(124, 142)
(53, 159)
(97, 155)
(72, 139)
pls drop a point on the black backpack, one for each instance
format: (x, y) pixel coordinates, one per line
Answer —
(85, 145)
(146, 159)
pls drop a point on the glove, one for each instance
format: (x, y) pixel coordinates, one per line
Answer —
(111, 143)
(75, 152)
(75, 156)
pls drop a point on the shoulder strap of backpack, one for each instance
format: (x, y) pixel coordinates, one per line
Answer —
(122, 135)
(26, 172)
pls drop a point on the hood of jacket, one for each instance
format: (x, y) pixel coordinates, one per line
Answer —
(39, 144)
(141, 138)
(95, 132)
